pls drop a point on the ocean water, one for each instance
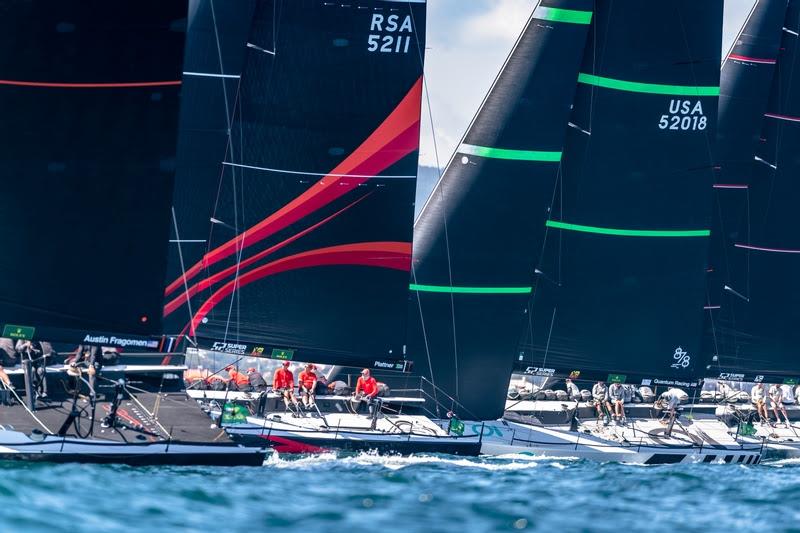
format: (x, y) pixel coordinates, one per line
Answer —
(369, 493)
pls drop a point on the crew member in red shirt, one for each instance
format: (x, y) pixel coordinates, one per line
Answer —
(308, 382)
(367, 390)
(241, 381)
(283, 384)
(367, 385)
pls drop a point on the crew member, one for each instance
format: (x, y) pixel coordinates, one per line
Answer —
(238, 380)
(600, 397)
(367, 390)
(283, 384)
(616, 395)
(256, 380)
(757, 398)
(307, 380)
(573, 391)
(776, 402)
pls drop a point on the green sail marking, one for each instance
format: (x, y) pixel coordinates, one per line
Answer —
(650, 88)
(502, 153)
(555, 14)
(628, 232)
(470, 290)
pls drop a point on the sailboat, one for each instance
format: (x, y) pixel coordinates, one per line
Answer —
(91, 93)
(754, 295)
(293, 231)
(614, 273)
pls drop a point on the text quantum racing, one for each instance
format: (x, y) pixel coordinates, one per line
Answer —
(289, 354)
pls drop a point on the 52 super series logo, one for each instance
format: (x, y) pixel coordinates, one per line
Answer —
(390, 34)
(538, 371)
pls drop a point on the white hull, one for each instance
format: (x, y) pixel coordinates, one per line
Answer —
(15, 445)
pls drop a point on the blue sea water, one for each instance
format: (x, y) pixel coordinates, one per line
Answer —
(374, 494)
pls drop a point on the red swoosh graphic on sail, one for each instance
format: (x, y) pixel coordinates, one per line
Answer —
(209, 281)
(394, 139)
(392, 255)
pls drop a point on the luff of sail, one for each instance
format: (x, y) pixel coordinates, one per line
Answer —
(310, 243)
(90, 93)
(752, 331)
(477, 237)
(625, 254)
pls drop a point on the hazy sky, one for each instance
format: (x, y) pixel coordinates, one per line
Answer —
(468, 40)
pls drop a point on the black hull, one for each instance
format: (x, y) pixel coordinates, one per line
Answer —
(173, 459)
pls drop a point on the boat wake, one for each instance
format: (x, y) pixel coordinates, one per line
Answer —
(507, 462)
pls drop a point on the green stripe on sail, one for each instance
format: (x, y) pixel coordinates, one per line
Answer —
(650, 88)
(555, 14)
(470, 290)
(502, 153)
(628, 232)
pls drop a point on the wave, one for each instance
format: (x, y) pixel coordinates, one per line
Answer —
(506, 462)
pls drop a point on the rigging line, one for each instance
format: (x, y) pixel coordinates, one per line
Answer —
(183, 271)
(23, 404)
(549, 336)
(692, 59)
(320, 174)
(444, 215)
(235, 295)
(424, 335)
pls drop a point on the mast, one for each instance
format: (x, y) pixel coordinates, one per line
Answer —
(754, 294)
(90, 93)
(477, 237)
(309, 223)
(626, 249)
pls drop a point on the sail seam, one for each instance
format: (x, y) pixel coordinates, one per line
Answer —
(627, 232)
(647, 88)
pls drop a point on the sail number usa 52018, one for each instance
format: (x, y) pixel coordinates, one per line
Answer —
(684, 115)
(390, 34)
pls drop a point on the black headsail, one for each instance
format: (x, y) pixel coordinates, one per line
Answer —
(90, 110)
(477, 238)
(754, 287)
(308, 225)
(621, 292)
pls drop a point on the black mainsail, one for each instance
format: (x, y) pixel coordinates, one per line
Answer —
(754, 296)
(623, 269)
(309, 241)
(90, 98)
(477, 238)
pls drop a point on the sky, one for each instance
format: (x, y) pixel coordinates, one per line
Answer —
(468, 41)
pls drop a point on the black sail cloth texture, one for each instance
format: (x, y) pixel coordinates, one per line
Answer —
(754, 291)
(626, 250)
(478, 237)
(90, 99)
(309, 249)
